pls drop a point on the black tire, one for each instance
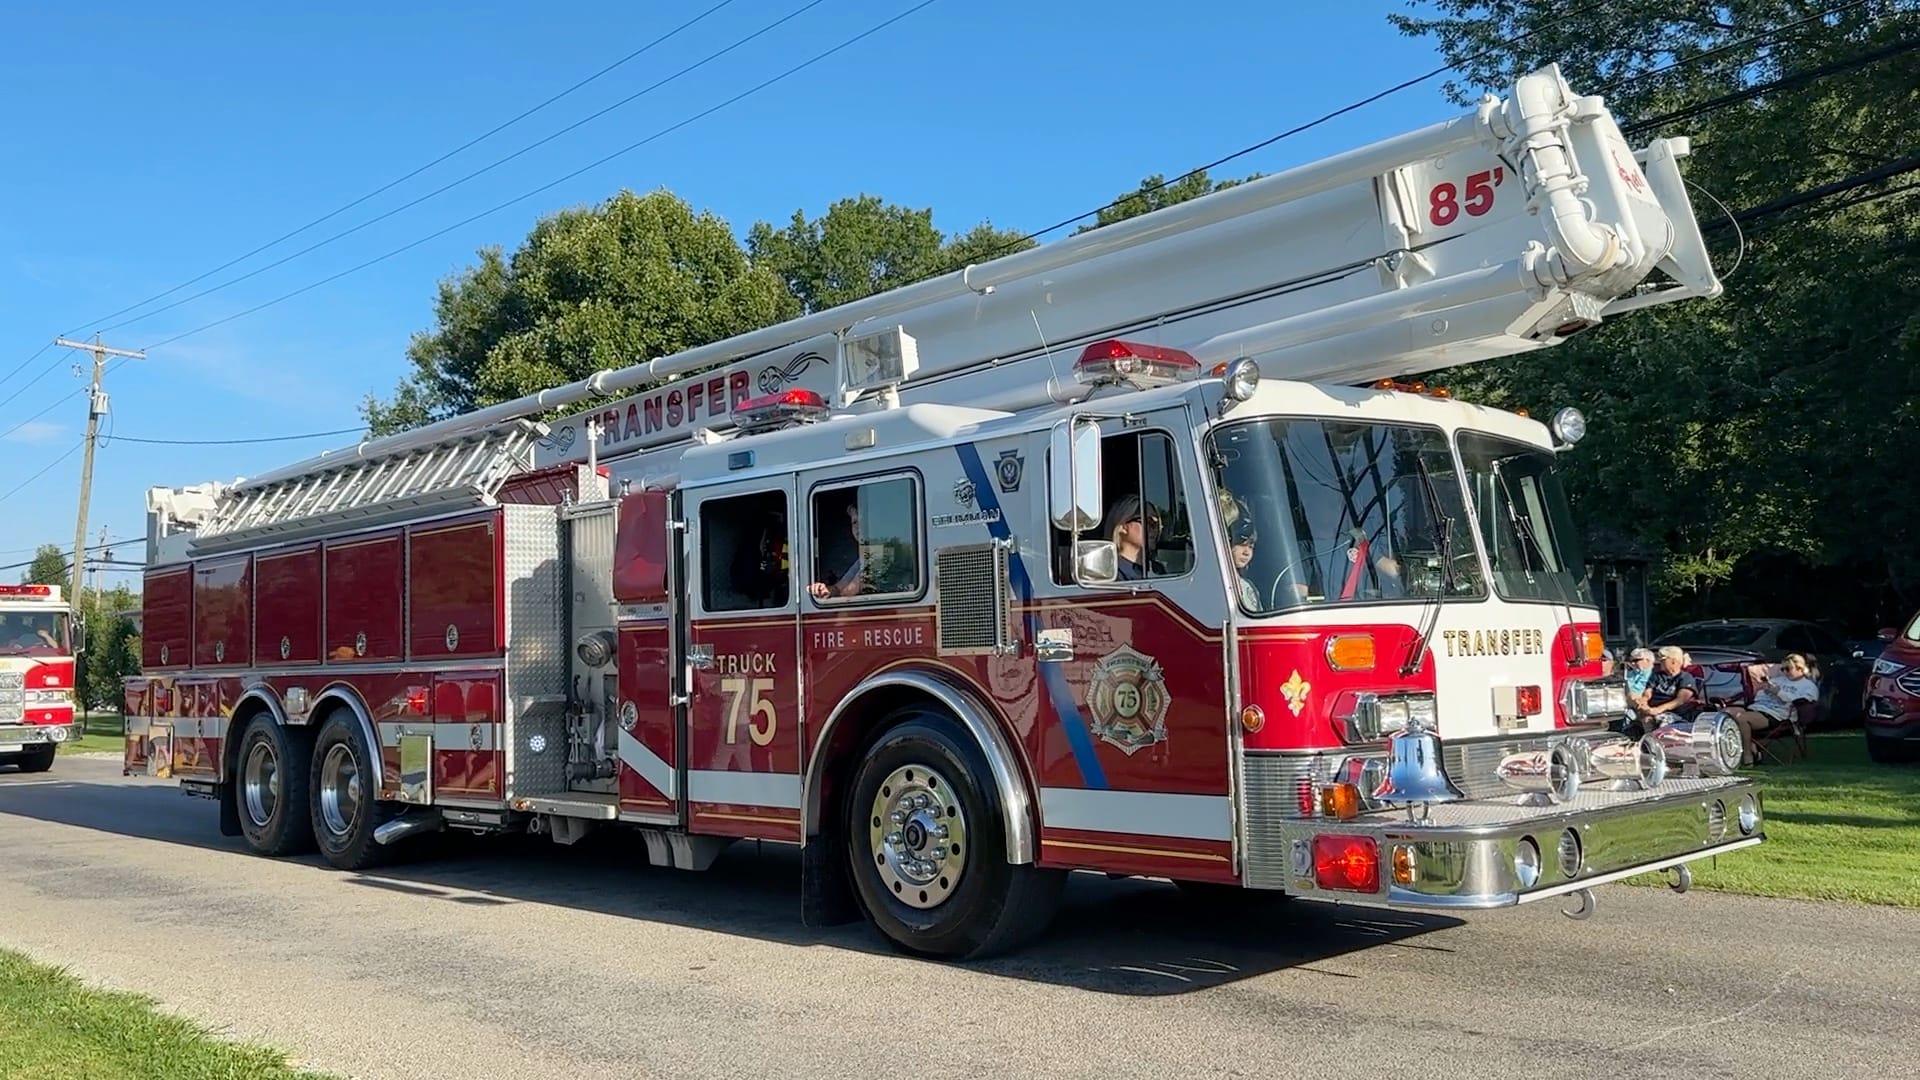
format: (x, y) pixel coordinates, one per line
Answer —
(270, 791)
(38, 759)
(994, 906)
(343, 798)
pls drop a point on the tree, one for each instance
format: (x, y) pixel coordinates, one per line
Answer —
(49, 566)
(636, 277)
(1767, 419)
(862, 246)
(1155, 193)
(113, 649)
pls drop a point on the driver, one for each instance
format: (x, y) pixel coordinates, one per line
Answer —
(850, 581)
(25, 632)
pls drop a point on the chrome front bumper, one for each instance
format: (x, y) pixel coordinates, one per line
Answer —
(30, 735)
(1475, 853)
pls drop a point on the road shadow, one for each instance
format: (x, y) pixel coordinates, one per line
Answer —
(1130, 937)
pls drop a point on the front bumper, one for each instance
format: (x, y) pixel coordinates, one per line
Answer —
(1475, 853)
(17, 737)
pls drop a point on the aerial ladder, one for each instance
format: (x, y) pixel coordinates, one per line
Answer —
(1506, 228)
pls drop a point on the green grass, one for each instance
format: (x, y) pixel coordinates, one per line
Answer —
(100, 733)
(54, 1028)
(1839, 827)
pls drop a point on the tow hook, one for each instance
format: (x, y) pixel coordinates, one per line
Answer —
(1682, 878)
(1585, 910)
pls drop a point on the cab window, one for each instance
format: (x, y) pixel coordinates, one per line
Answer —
(866, 541)
(744, 552)
(1146, 516)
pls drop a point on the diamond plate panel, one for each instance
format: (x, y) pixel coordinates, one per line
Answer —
(537, 650)
(1271, 796)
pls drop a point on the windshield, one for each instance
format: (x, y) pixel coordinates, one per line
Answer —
(1531, 542)
(33, 633)
(1331, 511)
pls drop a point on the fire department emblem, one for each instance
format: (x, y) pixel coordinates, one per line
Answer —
(473, 737)
(964, 493)
(219, 652)
(286, 647)
(1128, 698)
(163, 654)
(360, 643)
(453, 637)
(1010, 465)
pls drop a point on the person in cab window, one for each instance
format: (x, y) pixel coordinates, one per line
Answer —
(1134, 527)
(1775, 690)
(853, 578)
(1244, 536)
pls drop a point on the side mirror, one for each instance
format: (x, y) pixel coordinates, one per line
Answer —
(1096, 562)
(1073, 475)
(79, 637)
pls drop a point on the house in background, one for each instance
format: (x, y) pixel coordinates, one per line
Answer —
(1619, 570)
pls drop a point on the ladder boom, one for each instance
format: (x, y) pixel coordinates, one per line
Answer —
(1502, 229)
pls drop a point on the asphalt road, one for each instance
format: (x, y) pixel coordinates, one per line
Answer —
(494, 959)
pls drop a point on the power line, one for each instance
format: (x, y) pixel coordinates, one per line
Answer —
(238, 442)
(72, 450)
(1796, 79)
(24, 363)
(394, 183)
(1788, 202)
(444, 188)
(52, 405)
(789, 73)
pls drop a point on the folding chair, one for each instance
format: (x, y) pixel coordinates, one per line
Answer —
(1786, 741)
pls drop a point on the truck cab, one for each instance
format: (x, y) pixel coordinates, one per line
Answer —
(37, 661)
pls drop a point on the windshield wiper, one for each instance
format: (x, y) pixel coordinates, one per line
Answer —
(1443, 542)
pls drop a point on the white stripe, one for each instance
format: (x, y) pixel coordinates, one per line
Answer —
(1143, 813)
(635, 755)
(744, 788)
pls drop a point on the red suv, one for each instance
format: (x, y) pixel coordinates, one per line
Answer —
(1893, 698)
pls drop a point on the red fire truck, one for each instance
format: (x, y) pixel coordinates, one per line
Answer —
(1124, 554)
(37, 655)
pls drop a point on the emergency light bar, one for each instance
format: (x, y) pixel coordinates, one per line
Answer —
(780, 410)
(27, 590)
(1142, 366)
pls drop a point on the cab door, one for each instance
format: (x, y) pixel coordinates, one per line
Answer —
(742, 743)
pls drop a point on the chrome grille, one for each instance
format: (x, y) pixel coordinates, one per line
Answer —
(972, 601)
(1909, 682)
(13, 680)
(1271, 797)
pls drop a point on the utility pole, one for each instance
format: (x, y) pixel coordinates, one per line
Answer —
(96, 407)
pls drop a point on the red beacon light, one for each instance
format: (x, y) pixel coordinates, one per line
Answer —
(1139, 365)
(783, 409)
(26, 590)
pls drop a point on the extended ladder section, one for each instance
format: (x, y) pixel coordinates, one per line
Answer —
(462, 472)
(1501, 230)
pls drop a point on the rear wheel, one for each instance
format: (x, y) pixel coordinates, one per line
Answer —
(38, 759)
(345, 809)
(271, 790)
(927, 840)
(1889, 751)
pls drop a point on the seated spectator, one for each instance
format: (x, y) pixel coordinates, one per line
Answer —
(1244, 536)
(1639, 669)
(1672, 691)
(1776, 689)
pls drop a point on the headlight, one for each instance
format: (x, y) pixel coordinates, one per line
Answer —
(1382, 714)
(49, 697)
(1569, 425)
(1884, 666)
(1242, 378)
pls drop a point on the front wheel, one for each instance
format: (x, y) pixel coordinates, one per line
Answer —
(1889, 751)
(39, 759)
(345, 807)
(927, 841)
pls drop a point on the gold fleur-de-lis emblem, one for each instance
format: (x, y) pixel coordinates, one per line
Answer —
(1296, 689)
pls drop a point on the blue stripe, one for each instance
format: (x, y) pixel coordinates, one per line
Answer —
(1052, 679)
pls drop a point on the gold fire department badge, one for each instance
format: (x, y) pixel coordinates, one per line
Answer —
(1128, 699)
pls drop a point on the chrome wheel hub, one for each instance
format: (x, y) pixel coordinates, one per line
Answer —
(918, 836)
(339, 790)
(260, 784)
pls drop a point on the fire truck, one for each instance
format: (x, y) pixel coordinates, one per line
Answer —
(38, 646)
(1133, 554)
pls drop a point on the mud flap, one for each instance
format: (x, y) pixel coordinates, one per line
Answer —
(229, 811)
(826, 889)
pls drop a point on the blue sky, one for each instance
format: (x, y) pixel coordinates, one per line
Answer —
(147, 147)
